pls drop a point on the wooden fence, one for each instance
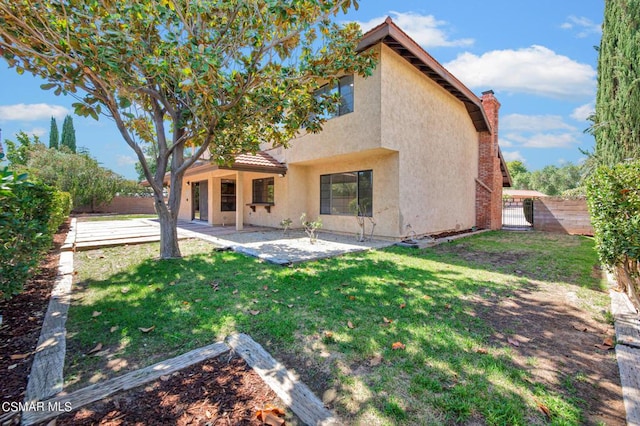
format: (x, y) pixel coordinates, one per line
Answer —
(560, 215)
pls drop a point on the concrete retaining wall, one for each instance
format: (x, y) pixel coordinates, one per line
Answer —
(122, 205)
(559, 215)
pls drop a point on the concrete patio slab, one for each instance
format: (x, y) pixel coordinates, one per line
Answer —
(268, 244)
(273, 246)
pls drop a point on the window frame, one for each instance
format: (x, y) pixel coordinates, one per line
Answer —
(227, 195)
(327, 207)
(345, 86)
(269, 195)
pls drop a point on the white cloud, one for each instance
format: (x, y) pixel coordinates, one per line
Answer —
(545, 140)
(583, 112)
(513, 156)
(584, 26)
(534, 70)
(534, 123)
(126, 160)
(31, 112)
(426, 30)
(37, 131)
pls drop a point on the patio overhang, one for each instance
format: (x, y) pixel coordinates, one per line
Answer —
(260, 162)
(392, 36)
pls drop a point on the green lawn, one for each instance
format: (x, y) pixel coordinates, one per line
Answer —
(336, 321)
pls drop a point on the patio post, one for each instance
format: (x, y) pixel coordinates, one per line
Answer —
(239, 200)
(210, 188)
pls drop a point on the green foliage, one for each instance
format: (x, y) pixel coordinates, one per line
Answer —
(614, 204)
(311, 227)
(68, 138)
(78, 174)
(54, 135)
(551, 180)
(616, 124)
(225, 76)
(18, 152)
(613, 195)
(30, 213)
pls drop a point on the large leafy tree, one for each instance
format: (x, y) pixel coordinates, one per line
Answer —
(68, 137)
(616, 124)
(223, 75)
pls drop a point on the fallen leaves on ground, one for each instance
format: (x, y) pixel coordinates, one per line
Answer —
(147, 329)
(271, 416)
(124, 290)
(403, 305)
(376, 360)
(387, 320)
(543, 408)
(482, 351)
(97, 348)
(607, 344)
(19, 356)
(580, 328)
(350, 324)
(96, 314)
(513, 341)
(113, 329)
(398, 346)
(254, 313)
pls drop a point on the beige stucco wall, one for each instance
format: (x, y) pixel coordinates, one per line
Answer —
(438, 147)
(357, 131)
(384, 165)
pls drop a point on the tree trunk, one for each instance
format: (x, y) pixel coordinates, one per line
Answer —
(168, 211)
(169, 248)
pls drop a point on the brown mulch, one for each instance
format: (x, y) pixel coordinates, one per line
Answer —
(218, 391)
(22, 318)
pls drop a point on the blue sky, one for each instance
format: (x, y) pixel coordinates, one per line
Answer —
(538, 57)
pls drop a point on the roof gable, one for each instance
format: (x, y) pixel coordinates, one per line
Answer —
(396, 39)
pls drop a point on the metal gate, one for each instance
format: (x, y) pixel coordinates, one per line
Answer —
(517, 213)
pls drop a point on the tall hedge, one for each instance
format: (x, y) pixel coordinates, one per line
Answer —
(30, 214)
(617, 119)
(613, 195)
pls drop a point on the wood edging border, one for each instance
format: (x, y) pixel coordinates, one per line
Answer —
(295, 394)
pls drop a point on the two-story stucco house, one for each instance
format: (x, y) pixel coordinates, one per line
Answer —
(411, 147)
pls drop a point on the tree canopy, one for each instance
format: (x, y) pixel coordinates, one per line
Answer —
(226, 76)
(550, 180)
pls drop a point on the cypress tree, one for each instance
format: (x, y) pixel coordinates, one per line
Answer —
(617, 119)
(68, 134)
(54, 136)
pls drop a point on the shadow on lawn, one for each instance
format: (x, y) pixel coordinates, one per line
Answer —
(446, 319)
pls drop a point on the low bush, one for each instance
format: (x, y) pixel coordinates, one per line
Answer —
(30, 214)
(613, 195)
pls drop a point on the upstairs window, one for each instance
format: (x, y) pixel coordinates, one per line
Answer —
(344, 88)
(348, 193)
(263, 191)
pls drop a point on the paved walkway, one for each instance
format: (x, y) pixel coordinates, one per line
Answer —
(269, 244)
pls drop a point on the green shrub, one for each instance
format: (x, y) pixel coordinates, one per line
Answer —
(613, 195)
(30, 213)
